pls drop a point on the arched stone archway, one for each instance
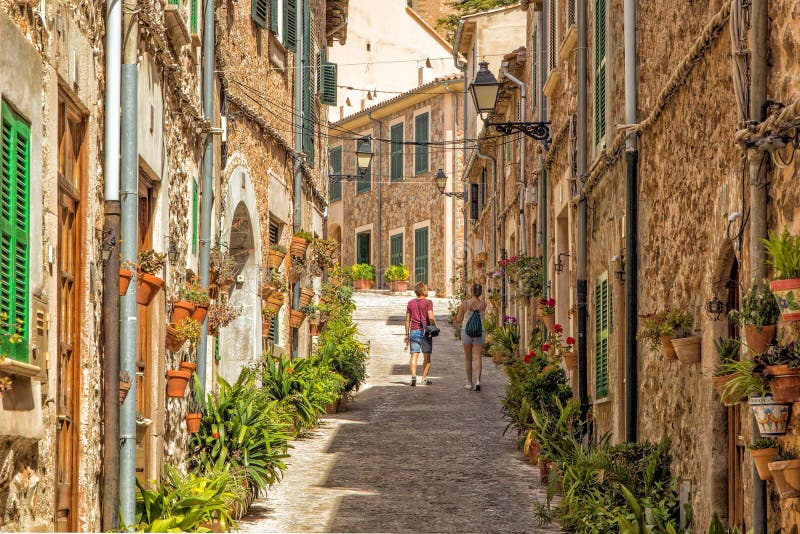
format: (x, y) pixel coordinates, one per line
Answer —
(240, 342)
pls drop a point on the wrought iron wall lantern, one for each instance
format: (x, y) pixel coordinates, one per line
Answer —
(620, 272)
(715, 308)
(363, 161)
(108, 243)
(485, 90)
(558, 265)
(441, 183)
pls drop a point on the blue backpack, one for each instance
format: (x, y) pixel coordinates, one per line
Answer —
(474, 327)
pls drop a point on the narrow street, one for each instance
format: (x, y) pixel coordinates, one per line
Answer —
(402, 459)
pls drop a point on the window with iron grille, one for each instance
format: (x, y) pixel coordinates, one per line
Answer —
(474, 199)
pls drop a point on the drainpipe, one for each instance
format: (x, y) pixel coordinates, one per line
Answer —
(523, 245)
(129, 239)
(541, 226)
(759, 18)
(208, 175)
(631, 228)
(380, 200)
(299, 78)
(111, 328)
(582, 278)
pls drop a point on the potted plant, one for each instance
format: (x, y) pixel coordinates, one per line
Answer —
(222, 268)
(148, 284)
(569, 355)
(221, 315)
(177, 381)
(324, 255)
(758, 316)
(397, 276)
(194, 293)
(657, 330)
(782, 366)
(300, 241)
(363, 275)
(770, 415)
(546, 312)
(277, 253)
(763, 451)
(531, 448)
(728, 352)
(124, 385)
(296, 318)
(306, 296)
(181, 309)
(315, 326)
(785, 252)
(179, 333)
(687, 346)
(785, 470)
(298, 267)
(125, 276)
(194, 407)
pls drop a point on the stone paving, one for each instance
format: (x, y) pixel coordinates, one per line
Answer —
(402, 459)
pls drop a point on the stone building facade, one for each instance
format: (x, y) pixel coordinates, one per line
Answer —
(395, 214)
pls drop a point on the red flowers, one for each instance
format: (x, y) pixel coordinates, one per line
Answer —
(557, 328)
(508, 261)
(545, 347)
(570, 340)
(215, 435)
(543, 301)
(528, 357)
(551, 302)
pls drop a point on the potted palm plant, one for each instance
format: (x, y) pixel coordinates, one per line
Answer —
(763, 451)
(397, 276)
(728, 366)
(784, 250)
(758, 316)
(148, 284)
(300, 241)
(785, 469)
(363, 275)
(277, 253)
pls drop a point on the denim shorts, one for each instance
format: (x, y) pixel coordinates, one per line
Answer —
(468, 340)
(420, 342)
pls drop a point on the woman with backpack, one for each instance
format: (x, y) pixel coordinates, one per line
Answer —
(472, 335)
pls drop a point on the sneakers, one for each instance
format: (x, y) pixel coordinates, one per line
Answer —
(467, 386)
(425, 382)
(413, 380)
(477, 386)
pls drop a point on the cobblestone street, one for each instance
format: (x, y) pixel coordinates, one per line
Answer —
(402, 459)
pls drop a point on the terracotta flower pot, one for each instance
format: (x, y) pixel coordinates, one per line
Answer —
(298, 247)
(780, 370)
(786, 475)
(787, 294)
(177, 382)
(786, 388)
(147, 287)
(172, 342)
(570, 360)
(181, 310)
(719, 384)
(687, 349)
(275, 259)
(187, 366)
(274, 302)
(398, 286)
(362, 284)
(199, 313)
(758, 340)
(331, 407)
(770, 415)
(533, 453)
(762, 458)
(306, 295)
(193, 422)
(314, 328)
(548, 320)
(296, 318)
(544, 471)
(125, 276)
(268, 289)
(667, 349)
(124, 387)
(213, 291)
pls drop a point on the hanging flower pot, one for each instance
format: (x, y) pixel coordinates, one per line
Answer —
(299, 246)
(296, 318)
(147, 287)
(306, 295)
(787, 294)
(786, 475)
(199, 313)
(667, 348)
(181, 310)
(177, 382)
(173, 343)
(762, 459)
(124, 387)
(758, 339)
(187, 366)
(315, 329)
(125, 276)
(193, 422)
(275, 258)
(213, 291)
(719, 384)
(786, 388)
(770, 415)
(687, 349)
(570, 360)
(268, 289)
(274, 302)
(549, 321)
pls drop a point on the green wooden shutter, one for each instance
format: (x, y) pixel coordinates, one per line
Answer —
(14, 233)
(309, 79)
(600, 71)
(396, 249)
(259, 11)
(602, 316)
(397, 152)
(362, 247)
(193, 15)
(535, 70)
(329, 80)
(195, 211)
(421, 150)
(335, 184)
(421, 255)
(273, 16)
(552, 33)
(290, 25)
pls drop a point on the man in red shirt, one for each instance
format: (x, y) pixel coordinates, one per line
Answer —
(419, 314)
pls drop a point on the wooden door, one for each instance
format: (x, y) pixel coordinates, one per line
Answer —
(70, 178)
(144, 359)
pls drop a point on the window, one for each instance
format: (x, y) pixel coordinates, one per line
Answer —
(421, 255)
(421, 148)
(328, 90)
(259, 11)
(274, 233)
(309, 81)
(364, 181)
(335, 184)
(535, 70)
(599, 72)
(290, 25)
(363, 247)
(552, 29)
(195, 210)
(14, 232)
(483, 189)
(396, 249)
(602, 327)
(397, 153)
(474, 200)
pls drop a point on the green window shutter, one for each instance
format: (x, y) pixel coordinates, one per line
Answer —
(328, 82)
(14, 233)
(421, 255)
(259, 10)
(309, 107)
(535, 70)
(335, 184)
(174, 2)
(600, 71)
(397, 152)
(273, 16)
(193, 15)
(290, 25)
(195, 210)
(362, 247)
(396, 249)
(421, 150)
(552, 33)
(602, 316)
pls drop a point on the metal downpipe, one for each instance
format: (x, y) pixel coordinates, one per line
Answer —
(582, 278)
(380, 200)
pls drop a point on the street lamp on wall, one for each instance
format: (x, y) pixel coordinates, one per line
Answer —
(441, 183)
(558, 266)
(363, 161)
(715, 308)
